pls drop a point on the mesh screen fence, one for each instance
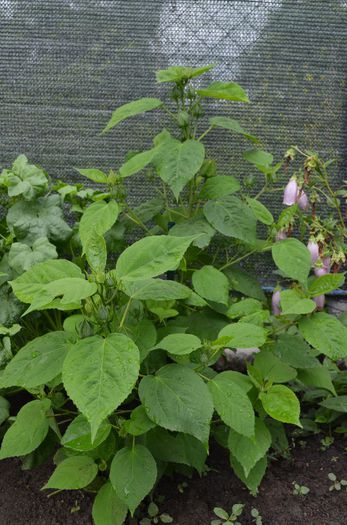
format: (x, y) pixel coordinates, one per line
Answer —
(66, 64)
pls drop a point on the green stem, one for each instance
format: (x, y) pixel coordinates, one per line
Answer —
(125, 313)
(234, 261)
(205, 133)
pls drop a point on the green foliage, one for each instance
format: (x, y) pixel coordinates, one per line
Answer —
(133, 474)
(111, 365)
(118, 322)
(75, 472)
(292, 258)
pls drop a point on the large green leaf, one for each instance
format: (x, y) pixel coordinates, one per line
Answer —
(75, 472)
(156, 290)
(224, 91)
(64, 294)
(21, 257)
(338, 404)
(196, 226)
(150, 257)
(249, 450)
(179, 344)
(133, 474)
(28, 431)
(137, 162)
(219, 186)
(231, 217)
(176, 448)
(30, 284)
(293, 350)
(292, 258)
(4, 409)
(131, 109)
(245, 283)
(260, 211)
(99, 373)
(77, 436)
(262, 160)
(245, 307)
(211, 284)
(98, 218)
(108, 509)
(253, 480)
(325, 284)
(139, 423)
(177, 162)
(272, 368)
(40, 218)
(317, 377)
(179, 73)
(176, 398)
(96, 252)
(325, 333)
(281, 404)
(243, 335)
(38, 362)
(293, 303)
(24, 179)
(232, 125)
(97, 176)
(232, 403)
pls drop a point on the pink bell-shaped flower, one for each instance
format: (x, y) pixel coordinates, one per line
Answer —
(323, 267)
(303, 201)
(320, 301)
(290, 194)
(275, 302)
(281, 235)
(313, 248)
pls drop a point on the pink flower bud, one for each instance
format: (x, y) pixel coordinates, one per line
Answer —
(323, 268)
(303, 201)
(326, 263)
(281, 235)
(320, 301)
(276, 301)
(320, 271)
(313, 248)
(290, 193)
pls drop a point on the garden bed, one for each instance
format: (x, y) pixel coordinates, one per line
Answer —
(22, 503)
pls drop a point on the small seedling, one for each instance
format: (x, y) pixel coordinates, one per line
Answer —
(154, 517)
(258, 520)
(300, 490)
(228, 519)
(182, 486)
(326, 442)
(75, 507)
(337, 485)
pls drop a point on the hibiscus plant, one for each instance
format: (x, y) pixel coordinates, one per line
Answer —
(116, 319)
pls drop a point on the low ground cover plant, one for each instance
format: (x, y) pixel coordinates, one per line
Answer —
(114, 317)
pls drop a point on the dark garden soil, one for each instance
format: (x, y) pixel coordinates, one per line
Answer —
(22, 503)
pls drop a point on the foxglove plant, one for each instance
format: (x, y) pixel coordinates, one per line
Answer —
(116, 343)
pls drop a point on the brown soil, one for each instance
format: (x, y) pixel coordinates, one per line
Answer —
(22, 503)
